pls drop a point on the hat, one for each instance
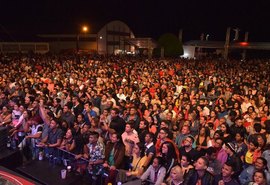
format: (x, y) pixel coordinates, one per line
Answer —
(191, 137)
(231, 146)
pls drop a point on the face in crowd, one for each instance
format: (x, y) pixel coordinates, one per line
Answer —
(200, 164)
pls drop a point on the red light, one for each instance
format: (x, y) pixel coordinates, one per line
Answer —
(243, 43)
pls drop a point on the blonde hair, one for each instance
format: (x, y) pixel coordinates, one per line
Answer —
(178, 170)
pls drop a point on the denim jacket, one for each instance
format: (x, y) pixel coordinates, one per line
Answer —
(246, 175)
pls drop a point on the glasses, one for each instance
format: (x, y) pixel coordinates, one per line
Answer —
(162, 132)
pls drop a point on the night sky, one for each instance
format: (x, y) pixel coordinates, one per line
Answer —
(147, 18)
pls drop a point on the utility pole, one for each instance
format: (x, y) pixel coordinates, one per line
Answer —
(236, 34)
(77, 42)
(180, 35)
(227, 43)
(244, 54)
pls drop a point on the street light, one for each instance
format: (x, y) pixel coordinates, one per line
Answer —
(84, 29)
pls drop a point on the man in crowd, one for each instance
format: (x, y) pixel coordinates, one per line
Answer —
(150, 149)
(260, 164)
(88, 113)
(214, 165)
(95, 152)
(225, 178)
(221, 153)
(53, 140)
(67, 115)
(200, 175)
(187, 148)
(117, 123)
(129, 139)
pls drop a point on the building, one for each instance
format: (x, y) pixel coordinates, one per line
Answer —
(109, 39)
(24, 47)
(114, 37)
(198, 48)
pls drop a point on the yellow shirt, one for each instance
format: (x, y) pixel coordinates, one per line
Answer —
(249, 157)
(137, 164)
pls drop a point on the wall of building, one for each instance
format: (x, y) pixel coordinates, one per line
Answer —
(112, 37)
(189, 51)
(58, 46)
(24, 47)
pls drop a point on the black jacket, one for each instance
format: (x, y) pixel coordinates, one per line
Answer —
(193, 177)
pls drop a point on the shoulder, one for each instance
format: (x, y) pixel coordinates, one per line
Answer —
(151, 148)
(59, 131)
(100, 145)
(108, 145)
(234, 182)
(162, 169)
(144, 158)
(135, 136)
(217, 177)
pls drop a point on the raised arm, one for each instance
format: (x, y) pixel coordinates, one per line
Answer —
(43, 114)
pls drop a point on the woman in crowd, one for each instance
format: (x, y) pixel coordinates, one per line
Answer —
(155, 173)
(136, 166)
(237, 106)
(259, 178)
(265, 108)
(227, 137)
(95, 125)
(68, 142)
(176, 176)
(213, 119)
(186, 165)
(202, 140)
(169, 156)
(16, 113)
(194, 124)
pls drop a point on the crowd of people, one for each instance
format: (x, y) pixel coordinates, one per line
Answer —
(134, 120)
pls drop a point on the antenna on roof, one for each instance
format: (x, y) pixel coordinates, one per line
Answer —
(236, 34)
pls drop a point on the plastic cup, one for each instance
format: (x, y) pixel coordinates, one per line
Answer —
(63, 173)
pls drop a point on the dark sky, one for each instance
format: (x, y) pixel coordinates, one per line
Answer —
(147, 18)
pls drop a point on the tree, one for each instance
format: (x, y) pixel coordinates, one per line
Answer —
(171, 44)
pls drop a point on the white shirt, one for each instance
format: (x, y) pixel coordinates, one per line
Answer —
(121, 96)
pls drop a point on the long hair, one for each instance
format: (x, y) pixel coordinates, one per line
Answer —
(207, 131)
(171, 154)
(142, 148)
(228, 130)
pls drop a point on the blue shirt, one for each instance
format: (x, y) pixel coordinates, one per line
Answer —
(86, 118)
